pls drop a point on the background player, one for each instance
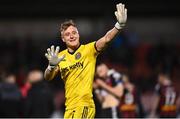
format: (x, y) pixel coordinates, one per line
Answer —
(130, 104)
(165, 105)
(108, 89)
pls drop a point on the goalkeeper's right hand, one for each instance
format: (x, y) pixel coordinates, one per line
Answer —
(52, 57)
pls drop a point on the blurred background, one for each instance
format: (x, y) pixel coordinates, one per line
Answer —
(149, 43)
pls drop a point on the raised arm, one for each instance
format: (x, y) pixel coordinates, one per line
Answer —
(117, 91)
(121, 16)
(52, 69)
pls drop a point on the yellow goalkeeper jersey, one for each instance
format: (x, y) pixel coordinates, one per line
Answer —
(77, 70)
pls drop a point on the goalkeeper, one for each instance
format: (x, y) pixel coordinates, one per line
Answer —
(76, 64)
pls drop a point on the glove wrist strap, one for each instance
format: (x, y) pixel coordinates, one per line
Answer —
(50, 67)
(119, 26)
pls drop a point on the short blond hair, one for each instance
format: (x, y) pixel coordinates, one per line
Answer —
(66, 24)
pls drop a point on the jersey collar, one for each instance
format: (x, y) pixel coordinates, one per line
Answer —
(74, 50)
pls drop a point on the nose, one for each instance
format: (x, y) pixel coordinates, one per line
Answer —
(71, 35)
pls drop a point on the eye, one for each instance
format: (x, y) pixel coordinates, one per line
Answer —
(74, 32)
(67, 34)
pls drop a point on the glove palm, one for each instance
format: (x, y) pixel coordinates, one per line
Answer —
(121, 16)
(52, 56)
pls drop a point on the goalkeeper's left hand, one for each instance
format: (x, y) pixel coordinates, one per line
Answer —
(121, 16)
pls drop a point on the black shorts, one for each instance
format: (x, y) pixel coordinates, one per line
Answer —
(110, 113)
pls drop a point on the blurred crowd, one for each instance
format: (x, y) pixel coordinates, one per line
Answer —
(33, 99)
(116, 95)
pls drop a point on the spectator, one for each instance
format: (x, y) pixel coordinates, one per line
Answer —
(10, 98)
(39, 102)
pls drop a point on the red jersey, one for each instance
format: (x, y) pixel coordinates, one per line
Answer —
(128, 105)
(167, 103)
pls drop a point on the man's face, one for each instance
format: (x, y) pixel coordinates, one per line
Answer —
(102, 70)
(35, 76)
(71, 37)
(161, 78)
(11, 79)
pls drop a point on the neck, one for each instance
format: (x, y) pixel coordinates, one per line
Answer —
(73, 49)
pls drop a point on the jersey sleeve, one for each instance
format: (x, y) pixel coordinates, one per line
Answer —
(92, 48)
(115, 76)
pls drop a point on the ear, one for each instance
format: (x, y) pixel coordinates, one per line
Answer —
(63, 40)
(62, 37)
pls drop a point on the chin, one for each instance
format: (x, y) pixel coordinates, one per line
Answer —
(75, 45)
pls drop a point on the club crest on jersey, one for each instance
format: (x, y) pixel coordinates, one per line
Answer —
(78, 56)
